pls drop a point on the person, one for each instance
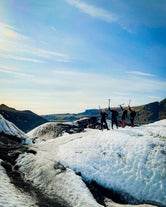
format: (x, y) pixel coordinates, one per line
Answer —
(124, 116)
(103, 119)
(132, 115)
(114, 116)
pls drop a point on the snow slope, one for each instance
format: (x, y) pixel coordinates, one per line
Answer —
(128, 160)
(9, 128)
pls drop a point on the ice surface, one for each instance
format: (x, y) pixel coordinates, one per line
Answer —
(128, 160)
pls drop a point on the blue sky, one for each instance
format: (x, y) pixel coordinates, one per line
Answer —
(70, 55)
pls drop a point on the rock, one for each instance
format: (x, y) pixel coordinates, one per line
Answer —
(6, 165)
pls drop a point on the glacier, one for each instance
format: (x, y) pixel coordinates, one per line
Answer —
(128, 160)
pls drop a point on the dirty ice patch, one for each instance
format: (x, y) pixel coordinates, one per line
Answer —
(11, 196)
(53, 179)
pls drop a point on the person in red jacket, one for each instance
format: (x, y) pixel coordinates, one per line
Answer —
(124, 115)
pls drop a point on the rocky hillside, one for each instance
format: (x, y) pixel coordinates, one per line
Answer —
(24, 120)
(151, 112)
(162, 109)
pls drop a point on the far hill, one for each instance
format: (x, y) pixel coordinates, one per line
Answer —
(67, 117)
(24, 120)
(145, 113)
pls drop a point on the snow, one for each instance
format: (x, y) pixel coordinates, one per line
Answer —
(10, 196)
(9, 128)
(44, 132)
(128, 160)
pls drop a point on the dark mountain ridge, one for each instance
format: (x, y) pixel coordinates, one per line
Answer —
(24, 120)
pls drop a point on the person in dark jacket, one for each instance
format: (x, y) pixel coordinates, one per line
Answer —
(124, 115)
(132, 115)
(103, 119)
(114, 116)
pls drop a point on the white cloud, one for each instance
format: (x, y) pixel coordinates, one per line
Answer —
(128, 14)
(139, 73)
(8, 31)
(94, 11)
(15, 57)
(53, 28)
(70, 91)
(59, 57)
(10, 71)
(18, 47)
(98, 84)
(155, 97)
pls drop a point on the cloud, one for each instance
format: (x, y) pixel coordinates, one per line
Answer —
(53, 28)
(19, 47)
(11, 72)
(139, 73)
(68, 90)
(155, 97)
(56, 56)
(94, 11)
(9, 31)
(19, 51)
(128, 14)
(15, 57)
(98, 84)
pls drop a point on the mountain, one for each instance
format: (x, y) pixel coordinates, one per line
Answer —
(67, 117)
(145, 113)
(8, 128)
(151, 112)
(24, 120)
(162, 109)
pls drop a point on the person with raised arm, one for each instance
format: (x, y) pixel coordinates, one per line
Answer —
(132, 114)
(103, 115)
(114, 116)
(124, 115)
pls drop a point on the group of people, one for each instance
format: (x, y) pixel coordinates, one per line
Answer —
(115, 114)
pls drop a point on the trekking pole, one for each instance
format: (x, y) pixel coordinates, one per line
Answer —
(129, 101)
(109, 102)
